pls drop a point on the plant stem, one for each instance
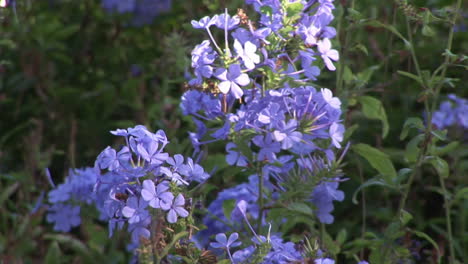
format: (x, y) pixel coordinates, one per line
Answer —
(260, 200)
(448, 220)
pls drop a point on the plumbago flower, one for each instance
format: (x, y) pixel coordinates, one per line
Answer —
(137, 185)
(452, 112)
(284, 132)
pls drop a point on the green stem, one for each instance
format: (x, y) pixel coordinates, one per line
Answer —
(343, 51)
(448, 220)
(260, 200)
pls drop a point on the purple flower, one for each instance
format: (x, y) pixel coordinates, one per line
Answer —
(328, 54)
(177, 209)
(282, 252)
(324, 261)
(194, 171)
(247, 53)
(268, 147)
(64, 216)
(323, 196)
(225, 21)
(328, 97)
(240, 256)
(158, 197)
(149, 151)
(287, 134)
(231, 79)
(272, 115)
(336, 134)
(135, 210)
(308, 34)
(205, 22)
(223, 242)
(108, 159)
(234, 157)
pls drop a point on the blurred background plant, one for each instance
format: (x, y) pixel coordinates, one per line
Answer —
(72, 70)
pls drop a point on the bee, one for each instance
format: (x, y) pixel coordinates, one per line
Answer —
(244, 19)
(121, 197)
(192, 87)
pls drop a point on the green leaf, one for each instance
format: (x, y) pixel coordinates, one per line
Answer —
(412, 149)
(391, 28)
(8, 192)
(440, 134)
(439, 151)
(349, 131)
(53, 254)
(373, 109)
(411, 76)
(294, 9)
(378, 160)
(72, 242)
(405, 217)
(370, 182)
(330, 244)
(366, 74)
(428, 31)
(347, 74)
(403, 174)
(440, 165)
(461, 194)
(301, 208)
(268, 11)
(342, 236)
(412, 122)
(362, 48)
(228, 206)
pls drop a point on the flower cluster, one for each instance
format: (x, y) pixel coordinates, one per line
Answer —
(141, 180)
(282, 130)
(452, 112)
(65, 210)
(143, 11)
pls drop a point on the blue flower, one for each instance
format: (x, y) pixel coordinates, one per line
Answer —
(225, 21)
(324, 261)
(234, 157)
(336, 134)
(223, 242)
(247, 53)
(205, 22)
(109, 159)
(322, 197)
(328, 97)
(231, 79)
(135, 210)
(328, 54)
(64, 216)
(287, 134)
(177, 209)
(194, 171)
(268, 147)
(149, 151)
(157, 197)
